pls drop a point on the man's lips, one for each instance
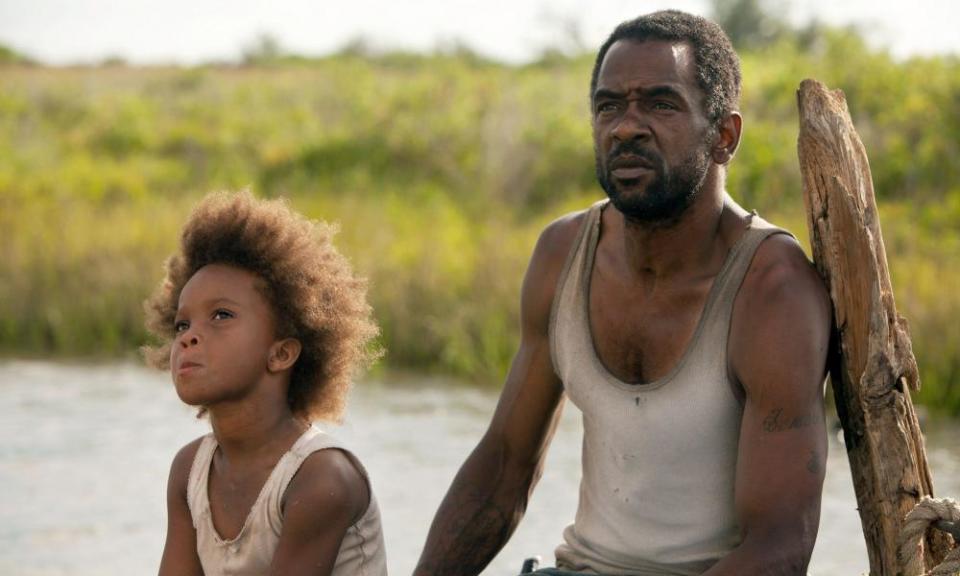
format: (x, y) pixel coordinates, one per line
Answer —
(629, 167)
(629, 172)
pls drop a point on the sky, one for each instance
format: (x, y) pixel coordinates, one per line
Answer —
(194, 31)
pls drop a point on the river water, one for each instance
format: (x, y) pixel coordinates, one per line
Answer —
(86, 450)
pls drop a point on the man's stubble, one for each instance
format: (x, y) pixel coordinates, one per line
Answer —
(667, 196)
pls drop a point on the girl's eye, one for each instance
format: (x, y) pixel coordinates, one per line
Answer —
(180, 326)
(222, 314)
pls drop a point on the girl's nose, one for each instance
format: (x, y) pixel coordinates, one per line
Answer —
(191, 338)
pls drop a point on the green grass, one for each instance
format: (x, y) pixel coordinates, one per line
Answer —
(441, 171)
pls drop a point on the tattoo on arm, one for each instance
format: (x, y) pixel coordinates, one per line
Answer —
(813, 465)
(480, 527)
(481, 535)
(777, 422)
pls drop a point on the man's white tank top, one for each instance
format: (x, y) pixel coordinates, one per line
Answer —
(659, 458)
(251, 552)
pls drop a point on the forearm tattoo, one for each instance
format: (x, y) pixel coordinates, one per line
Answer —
(813, 464)
(476, 528)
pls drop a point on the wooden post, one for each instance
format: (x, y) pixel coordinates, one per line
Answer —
(872, 367)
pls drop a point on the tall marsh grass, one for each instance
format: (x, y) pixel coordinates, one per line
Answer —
(441, 172)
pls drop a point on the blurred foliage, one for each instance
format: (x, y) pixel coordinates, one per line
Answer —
(10, 56)
(750, 24)
(441, 169)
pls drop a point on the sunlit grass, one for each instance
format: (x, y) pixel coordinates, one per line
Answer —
(441, 172)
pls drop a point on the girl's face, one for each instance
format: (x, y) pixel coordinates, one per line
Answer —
(224, 332)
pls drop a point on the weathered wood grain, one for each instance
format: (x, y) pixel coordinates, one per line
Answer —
(872, 367)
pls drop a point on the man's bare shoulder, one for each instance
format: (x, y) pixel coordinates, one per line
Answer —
(780, 269)
(782, 312)
(546, 264)
(556, 240)
(558, 237)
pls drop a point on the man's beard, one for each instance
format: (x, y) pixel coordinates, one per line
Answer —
(667, 196)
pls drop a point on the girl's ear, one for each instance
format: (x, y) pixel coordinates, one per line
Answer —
(283, 354)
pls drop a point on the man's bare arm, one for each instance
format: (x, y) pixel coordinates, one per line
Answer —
(490, 492)
(778, 349)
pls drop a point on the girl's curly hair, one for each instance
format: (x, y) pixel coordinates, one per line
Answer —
(313, 292)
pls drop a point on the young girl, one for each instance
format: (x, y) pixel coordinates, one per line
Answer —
(263, 326)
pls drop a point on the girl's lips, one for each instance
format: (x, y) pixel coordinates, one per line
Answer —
(188, 367)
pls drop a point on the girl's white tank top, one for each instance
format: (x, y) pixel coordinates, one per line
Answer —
(251, 551)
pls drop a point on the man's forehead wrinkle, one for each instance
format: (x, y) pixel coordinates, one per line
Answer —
(620, 71)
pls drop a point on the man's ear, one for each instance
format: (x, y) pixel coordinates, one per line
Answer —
(283, 354)
(728, 138)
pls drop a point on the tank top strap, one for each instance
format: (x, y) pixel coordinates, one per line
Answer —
(577, 263)
(738, 263)
(581, 252)
(312, 440)
(198, 479)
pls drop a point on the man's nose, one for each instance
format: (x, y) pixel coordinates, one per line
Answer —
(633, 124)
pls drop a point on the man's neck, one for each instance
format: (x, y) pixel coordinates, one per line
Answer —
(655, 252)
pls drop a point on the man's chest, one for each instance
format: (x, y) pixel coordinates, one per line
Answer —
(639, 335)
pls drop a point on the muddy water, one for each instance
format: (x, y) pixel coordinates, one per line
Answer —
(86, 449)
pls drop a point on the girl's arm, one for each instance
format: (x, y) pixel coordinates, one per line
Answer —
(180, 551)
(326, 496)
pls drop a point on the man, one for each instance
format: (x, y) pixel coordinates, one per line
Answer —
(692, 335)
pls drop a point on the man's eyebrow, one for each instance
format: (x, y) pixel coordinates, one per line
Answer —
(607, 93)
(662, 90)
(651, 92)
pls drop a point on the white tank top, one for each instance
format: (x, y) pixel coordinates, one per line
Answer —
(659, 459)
(251, 552)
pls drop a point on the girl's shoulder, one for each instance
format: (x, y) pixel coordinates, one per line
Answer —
(329, 469)
(182, 463)
(330, 482)
(328, 505)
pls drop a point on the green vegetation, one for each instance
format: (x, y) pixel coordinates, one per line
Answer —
(10, 56)
(441, 170)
